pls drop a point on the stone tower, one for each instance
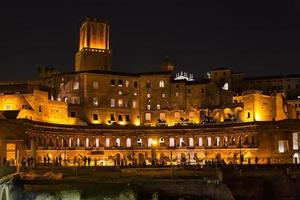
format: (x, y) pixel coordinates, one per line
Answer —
(167, 65)
(94, 51)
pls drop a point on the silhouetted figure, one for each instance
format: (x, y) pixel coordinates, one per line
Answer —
(48, 159)
(89, 161)
(59, 159)
(44, 160)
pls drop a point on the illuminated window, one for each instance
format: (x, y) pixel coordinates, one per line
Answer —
(150, 141)
(218, 141)
(282, 146)
(161, 141)
(225, 141)
(295, 141)
(148, 116)
(139, 142)
(112, 103)
(128, 142)
(225, 86)
(107, 142)
(62, 85)
(126, 83)
(158, 106)
(162, 116)
(209, 141)
(76, 86)
(95, 84)
(177, 94)
(172, 142)
(200, 142)
(120, 92)
(148, 107)
(95, 101)
(135, 93)
(181, 142)
(78, 142)
(8, 107)
(118, 142)
(163, 95)
(97, 142)
(134, 104)
(70, 142)
(161, 83)
(87, 142)
(177, 115)
(191, 142)
(148, 95)
(120, 102)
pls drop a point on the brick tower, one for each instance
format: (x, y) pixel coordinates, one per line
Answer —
(94, 52)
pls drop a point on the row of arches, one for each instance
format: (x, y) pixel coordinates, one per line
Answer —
(243, 140)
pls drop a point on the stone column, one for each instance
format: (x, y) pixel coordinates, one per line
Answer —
(2, 150)
(33, 151)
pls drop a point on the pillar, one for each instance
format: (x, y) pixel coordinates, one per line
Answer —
(33, 151)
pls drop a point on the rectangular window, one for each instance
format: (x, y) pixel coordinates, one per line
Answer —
(112, 82)
(295, 141)
(76, 86)
(158, 106)
(148, 84)
(75, 100)
(135, 84)
(112, 117)
(177, 115)
(62, 85)
(95, 84)
(163, 95)
(282, 146)
(73, 114)
(191, 115)
(127, 118)
(134, 104)
(95, 101)
(126, 83)
(112, 103)
(177, 94)
(95, 117)
(148, 107)
(8, 107)
(120, 83)
(120, 103)
(148, 95)
(162, 116)
(209, 141)
(120, 118)
(148, 116)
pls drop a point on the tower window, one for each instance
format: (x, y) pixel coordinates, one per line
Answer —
(161, 83)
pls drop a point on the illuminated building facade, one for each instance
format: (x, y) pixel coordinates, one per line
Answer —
(119, 118)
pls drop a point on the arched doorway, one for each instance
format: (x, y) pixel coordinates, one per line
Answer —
(296, 158)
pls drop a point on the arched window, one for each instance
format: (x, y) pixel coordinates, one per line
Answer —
(161, 83)
(87, 142)
(181, 142)
(218, 141)
(191, 142)
(150, 141)
(97, 142)
(78, 142)
(161, 141)
(128, 142)
(225, 141)
(76, 85)
(209, 141)
(200, 142)
(70, 142)
(172, 142)
(139, 142)
(107, 142)
(118, 142)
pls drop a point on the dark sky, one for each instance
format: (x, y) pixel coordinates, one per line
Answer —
(256, 37)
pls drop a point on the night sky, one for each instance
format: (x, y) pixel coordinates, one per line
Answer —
(257, 37)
